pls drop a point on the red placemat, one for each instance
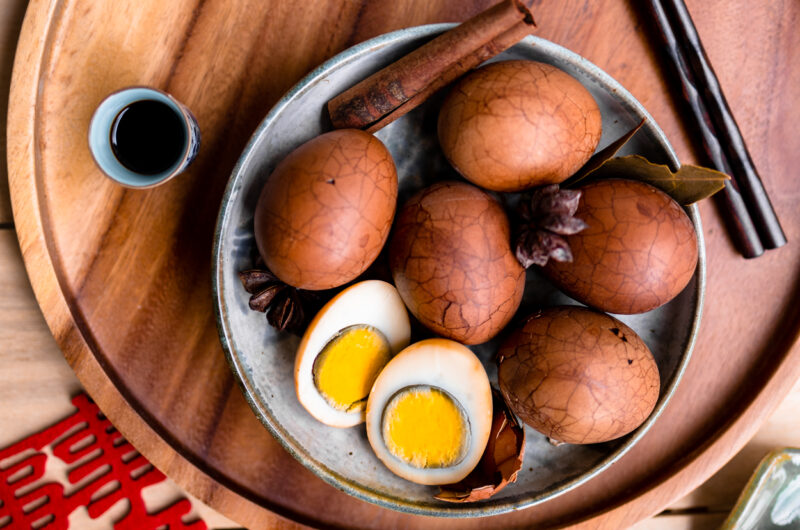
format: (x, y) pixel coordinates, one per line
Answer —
(102, 469)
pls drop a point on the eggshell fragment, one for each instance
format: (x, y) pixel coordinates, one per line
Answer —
(325, 212)
(452, 263)
(513, 125)
(502, 459)
(578, 376)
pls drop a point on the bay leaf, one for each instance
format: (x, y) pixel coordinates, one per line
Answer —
(600, 157)
(688, 185)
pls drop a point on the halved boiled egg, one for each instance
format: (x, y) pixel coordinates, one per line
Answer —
(345, 347)
(430, 412)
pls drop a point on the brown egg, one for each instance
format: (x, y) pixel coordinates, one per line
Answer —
(638, 253)
(325, 212)
(514, 125)
(578, 376)
(452, 262)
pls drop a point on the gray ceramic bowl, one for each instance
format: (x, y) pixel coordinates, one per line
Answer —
(262, 359)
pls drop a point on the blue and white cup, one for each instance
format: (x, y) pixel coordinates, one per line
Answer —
(103, 121)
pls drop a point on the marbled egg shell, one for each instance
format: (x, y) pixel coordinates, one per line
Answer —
(452, 263)
(325, 212)
(513, 125)
(578, 376)
(638, 253)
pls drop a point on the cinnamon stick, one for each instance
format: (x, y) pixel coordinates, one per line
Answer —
(393, 91)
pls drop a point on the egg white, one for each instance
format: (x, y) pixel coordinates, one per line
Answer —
(444, 364)
(374, 303)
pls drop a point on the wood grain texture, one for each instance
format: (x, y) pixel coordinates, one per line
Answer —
(27, 349)
(36, 385)
(123, 276)
(687, 521)
(721, 491)
(11, 13)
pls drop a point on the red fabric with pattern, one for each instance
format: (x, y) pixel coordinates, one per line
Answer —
(89, 445)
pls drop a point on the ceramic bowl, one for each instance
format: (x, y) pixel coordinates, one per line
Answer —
(104, 120)
(262, 359)
(771, 498)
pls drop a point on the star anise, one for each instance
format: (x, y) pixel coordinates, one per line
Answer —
(545, 217)
(282, 303)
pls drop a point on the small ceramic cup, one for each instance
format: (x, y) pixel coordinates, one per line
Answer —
(103, 121)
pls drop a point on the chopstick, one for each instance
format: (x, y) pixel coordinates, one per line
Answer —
(741, 225)
(752, 220)
(744, 171)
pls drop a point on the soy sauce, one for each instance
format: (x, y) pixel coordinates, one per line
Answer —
(148, 137)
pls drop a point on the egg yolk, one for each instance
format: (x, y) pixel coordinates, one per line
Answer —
(425, 427)
(348, 365)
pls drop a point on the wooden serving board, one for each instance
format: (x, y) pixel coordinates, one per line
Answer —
(123, 276)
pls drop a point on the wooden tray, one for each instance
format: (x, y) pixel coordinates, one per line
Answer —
(123, 276)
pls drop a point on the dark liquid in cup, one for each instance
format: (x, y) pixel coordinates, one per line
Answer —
(148, 137)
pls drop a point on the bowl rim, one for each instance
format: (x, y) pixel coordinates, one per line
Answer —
(351, 487)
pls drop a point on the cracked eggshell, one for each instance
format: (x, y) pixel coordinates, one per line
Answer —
(638, 252)
(443, 364)
(452, 262)
(513, 125)
(326, 210)
(578, 376)
(372, 302)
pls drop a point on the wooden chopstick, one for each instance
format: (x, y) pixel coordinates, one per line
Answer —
(744, 171)
(752, 221)
(740, 224)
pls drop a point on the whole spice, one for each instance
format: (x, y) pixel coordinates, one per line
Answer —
(601, 157)
(282, 303)
(392, 92)
(545, 218)
(687, 185)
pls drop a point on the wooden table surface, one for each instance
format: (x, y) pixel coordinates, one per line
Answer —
(36, 382)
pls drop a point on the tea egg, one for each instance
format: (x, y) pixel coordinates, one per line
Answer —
(430, 412)
(345, 347)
